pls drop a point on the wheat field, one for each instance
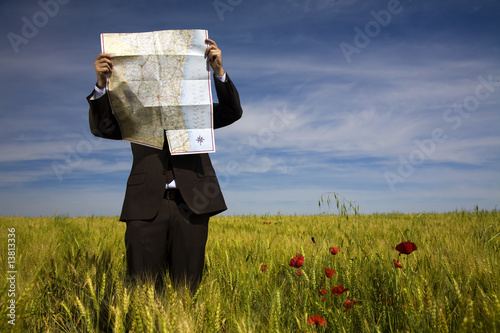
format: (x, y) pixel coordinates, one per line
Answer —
(262, 274)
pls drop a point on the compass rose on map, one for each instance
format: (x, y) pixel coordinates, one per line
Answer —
(200, 139)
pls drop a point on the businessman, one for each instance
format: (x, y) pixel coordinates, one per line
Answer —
(169, 199)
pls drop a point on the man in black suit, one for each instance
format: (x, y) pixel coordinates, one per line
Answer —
(169, 198)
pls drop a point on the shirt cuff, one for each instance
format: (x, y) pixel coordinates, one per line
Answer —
(99, 92)
(221, 78)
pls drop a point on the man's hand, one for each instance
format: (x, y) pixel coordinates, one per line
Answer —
(103, 67)
(214, 56)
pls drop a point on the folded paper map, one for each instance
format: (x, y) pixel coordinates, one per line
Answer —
(160, 86)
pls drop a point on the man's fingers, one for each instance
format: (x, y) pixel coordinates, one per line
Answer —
(103, 64)
(213, 53)
(104, 55)
(211, 48)
(104, 70)
(209, 51)
(209, 41)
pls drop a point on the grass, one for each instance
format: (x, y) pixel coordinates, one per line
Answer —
(71, 276)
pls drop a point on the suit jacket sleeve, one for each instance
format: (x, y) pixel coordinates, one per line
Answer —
(228, 110)
(102, 121)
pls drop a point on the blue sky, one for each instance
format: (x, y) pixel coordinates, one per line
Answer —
(391, 104)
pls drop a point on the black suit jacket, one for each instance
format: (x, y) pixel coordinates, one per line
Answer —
(194, 174)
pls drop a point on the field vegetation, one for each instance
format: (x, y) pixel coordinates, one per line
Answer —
(318, 273)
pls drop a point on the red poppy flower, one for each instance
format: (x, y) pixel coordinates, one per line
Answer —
(349, 304)
(406, 247)
(316, 319)
(397, 264)
(334, 250)
(329, 272)
(297, 261)
(338, 290)
(322, 291)
(263, 268)
(298, 272)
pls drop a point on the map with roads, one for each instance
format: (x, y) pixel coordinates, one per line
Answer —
(160, 87)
